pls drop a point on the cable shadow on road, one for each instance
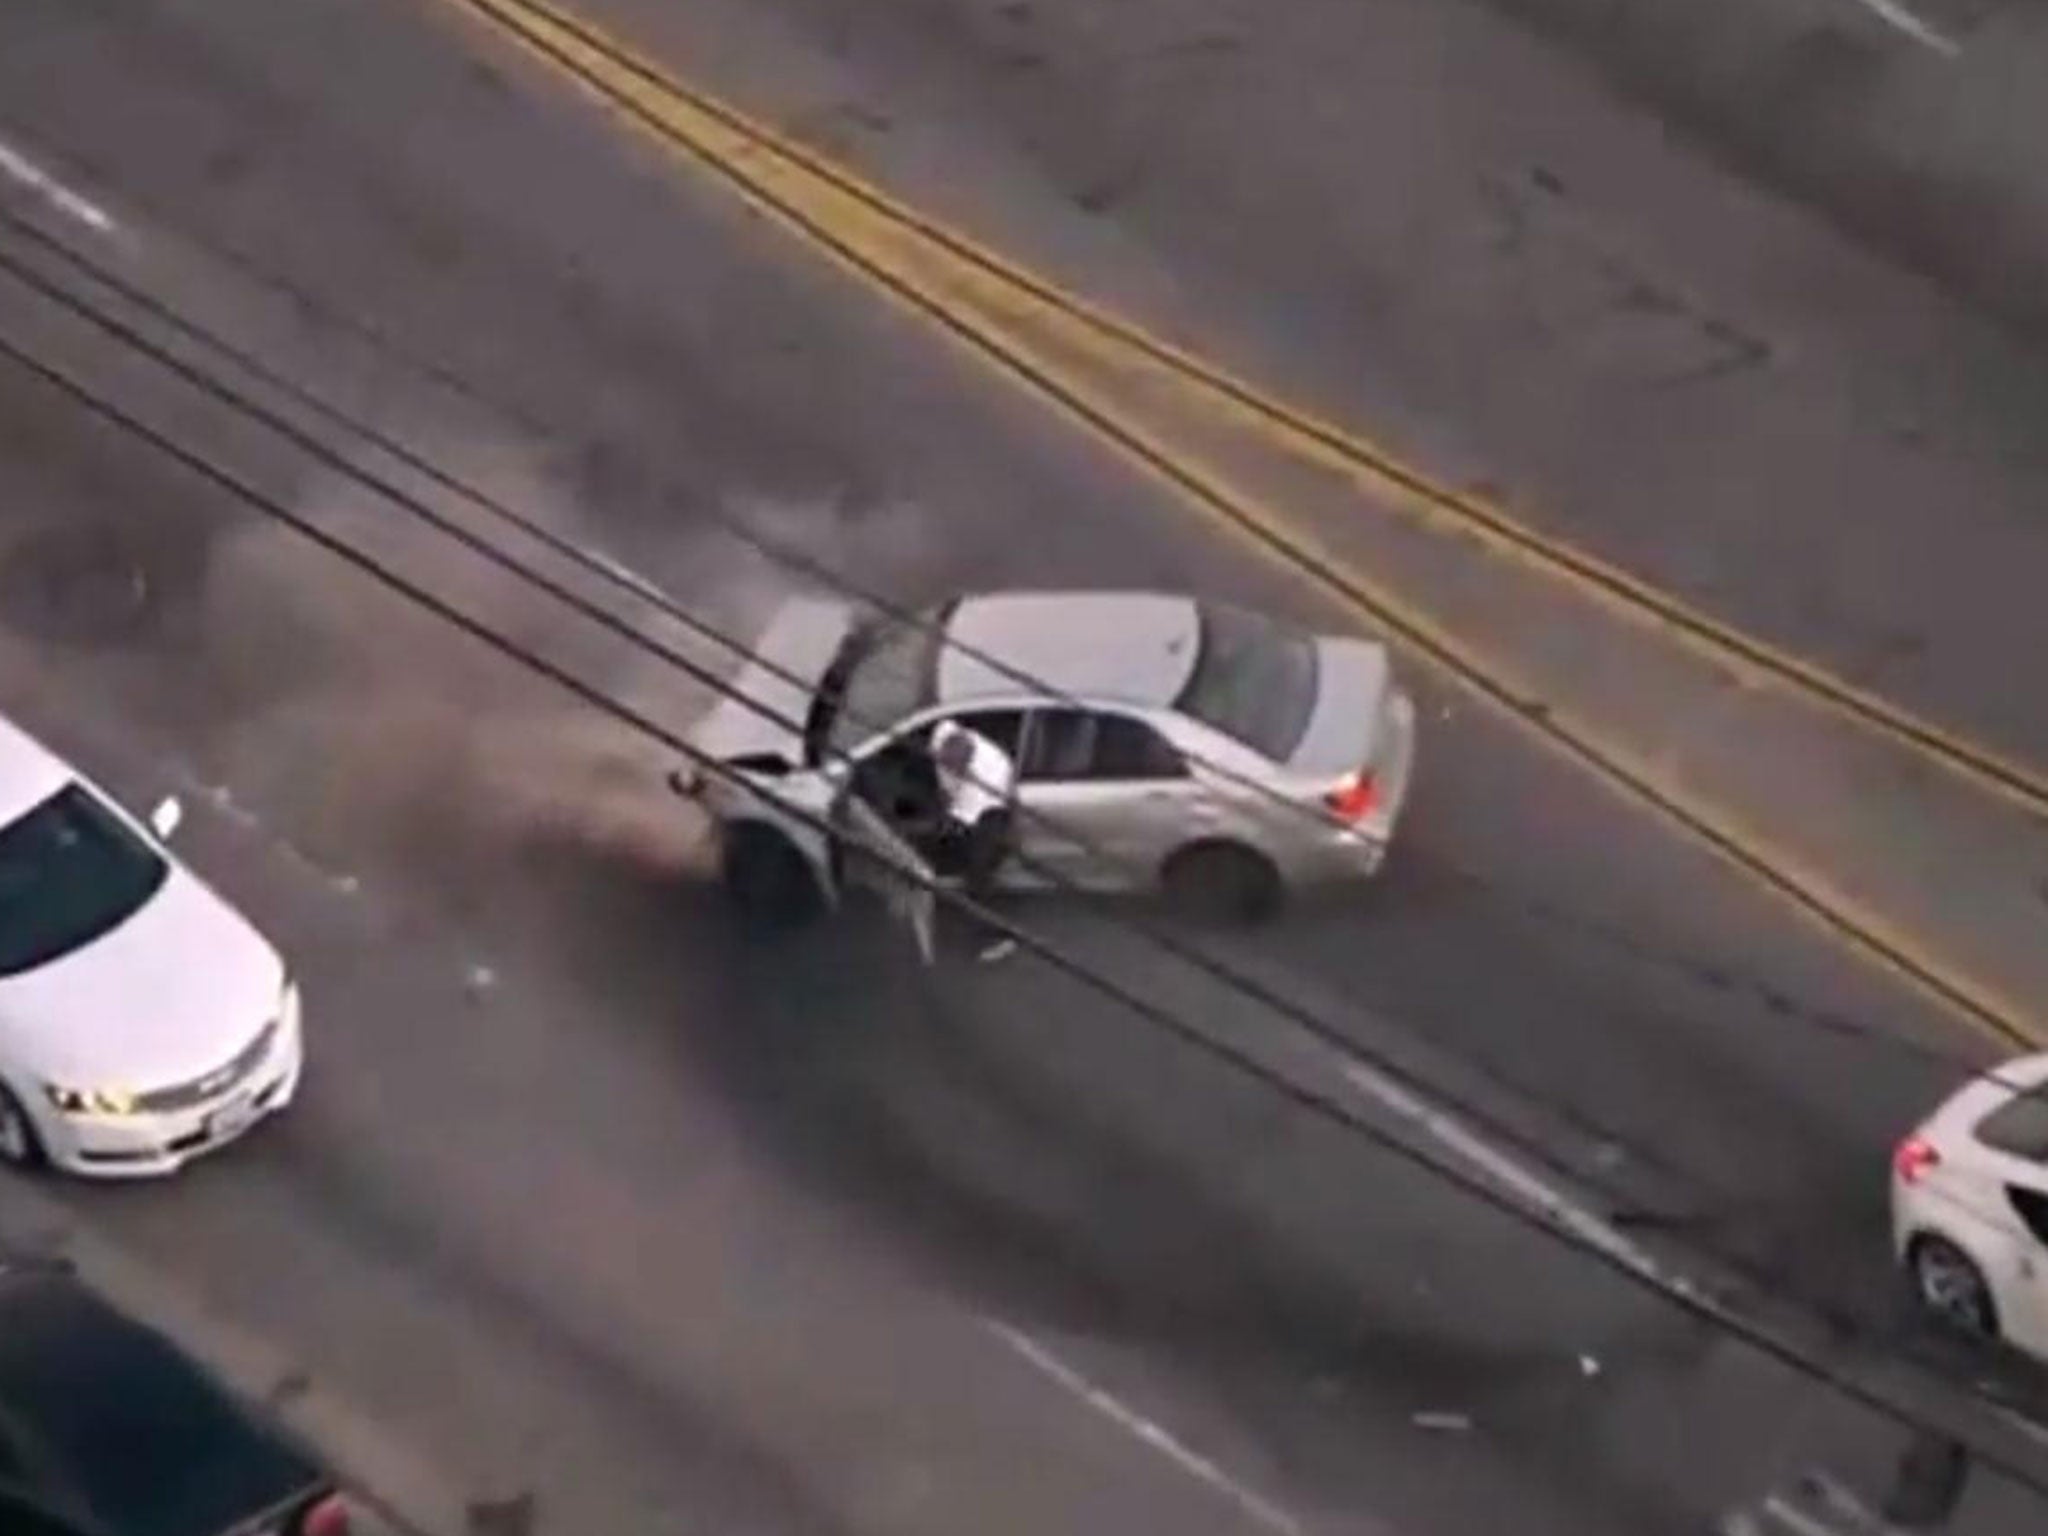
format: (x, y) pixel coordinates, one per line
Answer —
(1035, 1193)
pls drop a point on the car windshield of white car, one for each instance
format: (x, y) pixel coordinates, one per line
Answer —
(894, 672)
(70, 871)
(1253, 680)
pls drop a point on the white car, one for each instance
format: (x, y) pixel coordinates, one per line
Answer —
(1970, 1207)
(1160, 742)
(143, 1021)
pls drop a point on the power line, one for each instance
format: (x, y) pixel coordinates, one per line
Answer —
(611, 572)
(1309, 1022)
(1312, 1024)
(1673, 1290)
(1698, 971)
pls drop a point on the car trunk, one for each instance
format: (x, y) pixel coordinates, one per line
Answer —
(1354, 686)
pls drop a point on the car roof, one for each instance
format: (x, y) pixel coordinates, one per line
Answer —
(1133, 647)
(127, 1428)
(29, 772)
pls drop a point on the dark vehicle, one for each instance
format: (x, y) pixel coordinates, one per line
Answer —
(106, 1429)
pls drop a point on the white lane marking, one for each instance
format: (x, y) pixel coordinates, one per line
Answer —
(18, 168)
(1513, 1176)
(1895, 13)
(1134, 1423)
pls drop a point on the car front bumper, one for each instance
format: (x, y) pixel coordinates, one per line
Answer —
(146, 1146)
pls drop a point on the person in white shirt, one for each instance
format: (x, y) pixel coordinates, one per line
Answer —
(976, 781)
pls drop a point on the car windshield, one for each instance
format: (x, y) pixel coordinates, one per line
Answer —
(70, 871)
(887, 669)
(1254, 680)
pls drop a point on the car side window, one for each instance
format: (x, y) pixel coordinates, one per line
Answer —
(1088, 745)
(1061, 741)
(899, 779)
(1126, 748)
(2032, 1206)
(1004, 727)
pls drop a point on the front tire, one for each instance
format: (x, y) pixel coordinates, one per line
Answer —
(1951, 1288)
(20, 1147)
(767, 879)
(1222, 883)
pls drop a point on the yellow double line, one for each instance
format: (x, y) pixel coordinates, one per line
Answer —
(1043, 336)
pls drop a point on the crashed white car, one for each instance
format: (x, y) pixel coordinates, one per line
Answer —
(1160, 741)
(143, 1022)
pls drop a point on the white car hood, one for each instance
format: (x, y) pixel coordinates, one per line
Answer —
(768, 700)
(169, 995)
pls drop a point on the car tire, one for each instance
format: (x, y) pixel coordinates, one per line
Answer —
(1950, 1287)
(20, 1147)
(767, 879)
(1222, 882)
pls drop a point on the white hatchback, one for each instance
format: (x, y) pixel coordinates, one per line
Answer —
(1970, 1207)
(143, 1021)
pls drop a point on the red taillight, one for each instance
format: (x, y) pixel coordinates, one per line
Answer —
(329, 1517)
(1915, 1158)
(1353, 799)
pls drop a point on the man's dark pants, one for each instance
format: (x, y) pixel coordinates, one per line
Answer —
(970, 855)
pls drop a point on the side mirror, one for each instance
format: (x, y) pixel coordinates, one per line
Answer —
(165, 819)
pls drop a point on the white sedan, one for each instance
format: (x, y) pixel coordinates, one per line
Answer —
(143, 1021)
(1970, 1207)
(1161, 743)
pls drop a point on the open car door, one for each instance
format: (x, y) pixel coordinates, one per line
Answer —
(871, 853)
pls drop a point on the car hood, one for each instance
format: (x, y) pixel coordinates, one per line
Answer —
(167, 996)
(766, 702)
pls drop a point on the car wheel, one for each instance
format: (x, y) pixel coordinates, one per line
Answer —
(19, 1145)
(1949, 1285)
(768, 880)
(1222, 882)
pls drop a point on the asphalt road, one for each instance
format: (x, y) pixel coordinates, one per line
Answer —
(624, 1222)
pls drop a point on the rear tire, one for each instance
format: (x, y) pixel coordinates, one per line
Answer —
(20, 1147)
(768, 881)
(1951, 1288)
(1222, 883)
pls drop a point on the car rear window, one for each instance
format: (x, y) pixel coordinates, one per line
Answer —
(2019, 1126)
(70, 871)
(1254, 680)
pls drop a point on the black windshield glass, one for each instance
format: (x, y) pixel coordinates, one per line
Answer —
(70, 870)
